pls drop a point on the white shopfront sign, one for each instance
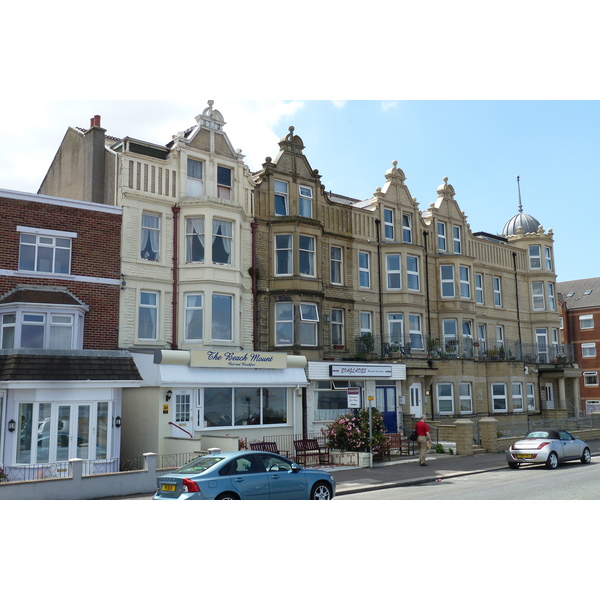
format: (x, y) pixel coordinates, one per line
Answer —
(360, 371)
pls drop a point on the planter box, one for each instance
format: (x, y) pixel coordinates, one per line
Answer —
(350, 459)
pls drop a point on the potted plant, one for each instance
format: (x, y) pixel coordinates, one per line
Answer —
(367, 344)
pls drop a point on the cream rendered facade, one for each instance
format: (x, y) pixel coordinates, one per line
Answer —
(160, 213)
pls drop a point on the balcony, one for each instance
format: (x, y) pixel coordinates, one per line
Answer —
(375, 347)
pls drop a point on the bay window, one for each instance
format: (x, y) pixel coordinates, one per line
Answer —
(447, 281)
(394, 273)
(307, 255)
(222, 317)
(412, 273)
(222, 240)
(194, 317)
(194, 239)
(309, 320)
(284, 254)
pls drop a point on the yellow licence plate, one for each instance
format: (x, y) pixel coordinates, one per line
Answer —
(167, 488)
(525, 455)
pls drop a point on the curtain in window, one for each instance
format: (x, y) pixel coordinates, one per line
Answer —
(222, 230)
(149, 237)
(195, 239)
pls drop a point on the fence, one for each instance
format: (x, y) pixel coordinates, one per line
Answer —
(582, 423)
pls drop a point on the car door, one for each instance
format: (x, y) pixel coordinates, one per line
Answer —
(284, 484)
(248, 478)
(571, 447)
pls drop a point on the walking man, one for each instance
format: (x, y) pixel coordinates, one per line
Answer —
(423, 438)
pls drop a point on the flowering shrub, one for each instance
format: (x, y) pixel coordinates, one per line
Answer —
(350, 433)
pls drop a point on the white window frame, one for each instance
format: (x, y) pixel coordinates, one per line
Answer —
(305, 201)
(287, 323)
(590, 378)
(388, 224)
(498, 394)
(191, 314)
(393, 272)
(548, 257)
(517, 396)
(447, 282)
(441, 236)
(286, 252)
(150, 234)
(194, 184)
(530, 389)
(465, 397)
(152, 310)
(465, 282)
(337, 265)
(214, 322)
(551, 297)
(445, 395)
(479, 296)
(194, 229)
(282, 196)
(407, 228)
(337, 327)
(415, 331)
(497, 284)
(586, 321)
(44, 241)
(364, 270)
(224, 187)
(366, 321)
(307, 255)
(413, 275)
(588, 350)
(457, 239)
(219, 234)
(535, 257)
(538, 300)
(309, 324)
(395, 328)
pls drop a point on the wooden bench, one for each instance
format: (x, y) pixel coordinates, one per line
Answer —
(309, 448)
(394, 441)
(267, 447)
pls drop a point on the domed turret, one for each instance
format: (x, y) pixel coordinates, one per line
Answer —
(528, 223)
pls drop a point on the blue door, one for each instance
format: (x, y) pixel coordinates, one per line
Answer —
(385, 398)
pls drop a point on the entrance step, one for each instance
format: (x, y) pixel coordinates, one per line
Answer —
(479, 450)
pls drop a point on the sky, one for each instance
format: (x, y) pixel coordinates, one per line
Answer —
(480, 145)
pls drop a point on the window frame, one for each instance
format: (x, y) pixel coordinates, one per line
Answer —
(479, 291)
(499, 400)
(308, 324)
(457, 239)
(193, 183)
(190, 234)
(586, 319)
(307, 256)
(446, 398)
(465, 283)
(389, 230)
(588, 350)
(407, 228)
(518, 401)
(287, 252)
(535, 260)
(287, 322)
(538, 298)
(305, 200)
(147, 235)
(415, 334)
(214, 323)
(465, 400)
(283, 197)
(337, 327)
(442, 241)
(39, 245)
(151, 309)
(364, 272)
(336, 265)
(222, 237)
(224, 188)
(497, 291)
(413, 275)
(393, 273)
(190, 313)
(447, 282)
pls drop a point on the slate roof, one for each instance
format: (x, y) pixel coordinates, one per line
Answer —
(67, 365)
(41, 295)
(580, 293)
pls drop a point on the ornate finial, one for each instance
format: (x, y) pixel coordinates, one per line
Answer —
(445, 180)
(210, 103)
(291, 129)
(395, 163)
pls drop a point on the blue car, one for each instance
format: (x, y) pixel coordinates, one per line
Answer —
(244, 476)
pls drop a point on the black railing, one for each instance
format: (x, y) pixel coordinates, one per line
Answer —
(375, 347)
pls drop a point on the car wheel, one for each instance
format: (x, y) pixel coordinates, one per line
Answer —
(514, 465)
(321, 491)
(227, 496)
(586, 456)
(552, 461)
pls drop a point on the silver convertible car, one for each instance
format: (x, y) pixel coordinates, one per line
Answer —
(549, 447)
(244, 475)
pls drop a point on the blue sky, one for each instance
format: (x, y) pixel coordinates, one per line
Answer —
(481, 146)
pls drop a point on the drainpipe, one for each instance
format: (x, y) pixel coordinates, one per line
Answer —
(175, 210)
(514, 254)
(378, 223)
(254, 229)
(426, 255)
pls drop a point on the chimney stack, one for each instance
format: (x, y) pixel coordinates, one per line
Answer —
(95, 121)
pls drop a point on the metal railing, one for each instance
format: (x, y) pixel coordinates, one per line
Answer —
(369, 346)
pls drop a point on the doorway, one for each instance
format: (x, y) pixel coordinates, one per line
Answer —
(416, 400)
(385, 402)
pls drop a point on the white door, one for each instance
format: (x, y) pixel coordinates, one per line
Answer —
(416, 394)
(549, 396)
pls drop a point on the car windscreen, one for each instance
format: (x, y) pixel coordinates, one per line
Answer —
(199, 465)
(543, 434)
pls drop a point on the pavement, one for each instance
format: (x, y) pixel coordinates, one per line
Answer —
(406, 471)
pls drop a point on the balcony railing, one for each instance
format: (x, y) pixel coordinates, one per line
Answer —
(375, 347)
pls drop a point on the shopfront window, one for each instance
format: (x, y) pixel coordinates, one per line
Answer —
(331, 399)
(244, 406)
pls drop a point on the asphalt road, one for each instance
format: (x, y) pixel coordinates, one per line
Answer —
(571, 481)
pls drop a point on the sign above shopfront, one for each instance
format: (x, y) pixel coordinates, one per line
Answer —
(360, 370)
(246, 359)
